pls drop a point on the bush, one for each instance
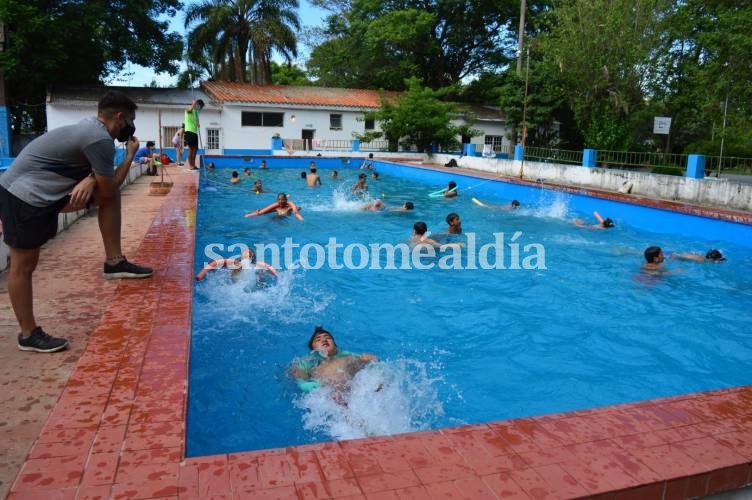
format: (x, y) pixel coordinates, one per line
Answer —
(668, 171)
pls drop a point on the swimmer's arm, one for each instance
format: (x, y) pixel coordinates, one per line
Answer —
(296, 211)
(366, 357)
(598, 217)
(694, 257)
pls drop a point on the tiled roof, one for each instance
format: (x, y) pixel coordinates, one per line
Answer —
(140, 95)
(290, 94)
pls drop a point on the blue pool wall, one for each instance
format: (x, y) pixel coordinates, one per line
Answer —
(636, 216)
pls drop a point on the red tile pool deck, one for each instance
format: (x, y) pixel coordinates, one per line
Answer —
(117, 429)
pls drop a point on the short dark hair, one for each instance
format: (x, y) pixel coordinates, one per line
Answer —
(652, 253)
(200, 102)
(515, 203)
(420, 227)
(234, 173)
(607, 222)
(409, 205)
(114, 100)
(451, 216)
(452, 184)
(150, 144)
(317, 331)
(715, 255)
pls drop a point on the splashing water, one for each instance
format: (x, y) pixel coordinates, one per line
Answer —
(388, 397)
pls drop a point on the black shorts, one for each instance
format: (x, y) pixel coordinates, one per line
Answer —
(26, 226)
(191, 139)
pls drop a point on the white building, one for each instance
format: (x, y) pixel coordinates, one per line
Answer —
(243, 119)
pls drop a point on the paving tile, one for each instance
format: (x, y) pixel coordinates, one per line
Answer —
(372, 483)
(101, 469)
(668, 461)
(711, 453)
(49, 473)
(336, 488)
(503, 486)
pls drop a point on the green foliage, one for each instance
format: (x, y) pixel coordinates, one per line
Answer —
(289, 74)
(417, 118)
(65, 42)
(232, 35)
(375, 44)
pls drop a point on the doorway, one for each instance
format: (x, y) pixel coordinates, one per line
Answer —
(307, 136)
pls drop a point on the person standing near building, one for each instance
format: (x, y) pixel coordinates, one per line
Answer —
(190, 121)
(177, 143)
(64, 170)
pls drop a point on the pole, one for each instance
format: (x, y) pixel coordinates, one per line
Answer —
(524, 114)
(723, 137)
(521, 36)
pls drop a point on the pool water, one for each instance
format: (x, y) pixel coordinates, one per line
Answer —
(456, 346)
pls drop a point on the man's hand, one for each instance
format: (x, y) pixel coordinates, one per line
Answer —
(132, 146)
(82, 192)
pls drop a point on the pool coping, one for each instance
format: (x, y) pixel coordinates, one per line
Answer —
(118, 428)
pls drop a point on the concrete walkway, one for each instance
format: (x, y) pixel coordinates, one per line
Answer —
(70, 298)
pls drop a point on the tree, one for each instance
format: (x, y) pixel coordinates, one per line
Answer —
(236, 32)
(600, 50)
(375, 44)
(289, 74)
(417, 118)
(91, 40)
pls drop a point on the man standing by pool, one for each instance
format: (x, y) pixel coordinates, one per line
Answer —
(192, 130)
(64, 170)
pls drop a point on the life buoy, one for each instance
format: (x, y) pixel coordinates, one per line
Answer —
(234, 261)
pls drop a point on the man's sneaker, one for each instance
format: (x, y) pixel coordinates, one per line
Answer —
(41, 342)
(125, 269)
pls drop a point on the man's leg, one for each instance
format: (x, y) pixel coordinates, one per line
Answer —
(110, 221)
(192, 156)
(23, 262)
(110, 224)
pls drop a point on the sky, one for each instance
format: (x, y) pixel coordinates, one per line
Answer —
(134, 75)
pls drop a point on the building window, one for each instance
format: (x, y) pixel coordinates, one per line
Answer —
(370, 124)
(335, 122)
(261, 119)
(496, 140)
(212, 138)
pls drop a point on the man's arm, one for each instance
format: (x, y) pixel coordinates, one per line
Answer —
(107, 187)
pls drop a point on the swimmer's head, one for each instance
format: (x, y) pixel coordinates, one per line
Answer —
(653, 254)
(234, 174)
(210, 165)
(319, 334)
(409, 205)
(452, 185)
(313, 169)
(715, 256)
(451, 218)
(282, 198)
(249, 254)
(515, 204)
(362, 176)
(420, 228)
(303, 175)
(607, 222)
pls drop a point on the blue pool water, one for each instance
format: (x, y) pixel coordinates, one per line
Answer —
(457, 346)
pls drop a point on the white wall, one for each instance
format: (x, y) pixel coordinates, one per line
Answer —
(147, 119)
(720, 193)
(239, 137)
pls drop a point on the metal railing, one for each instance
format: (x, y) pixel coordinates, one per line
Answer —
(729, 164)
(377, 145)
(630, 160)
(548, 155)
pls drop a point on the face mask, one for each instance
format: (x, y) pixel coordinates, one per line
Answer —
(126, 132)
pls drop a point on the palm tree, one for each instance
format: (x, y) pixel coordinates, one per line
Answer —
(231, 31)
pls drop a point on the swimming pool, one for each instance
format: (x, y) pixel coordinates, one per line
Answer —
(457, 345)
